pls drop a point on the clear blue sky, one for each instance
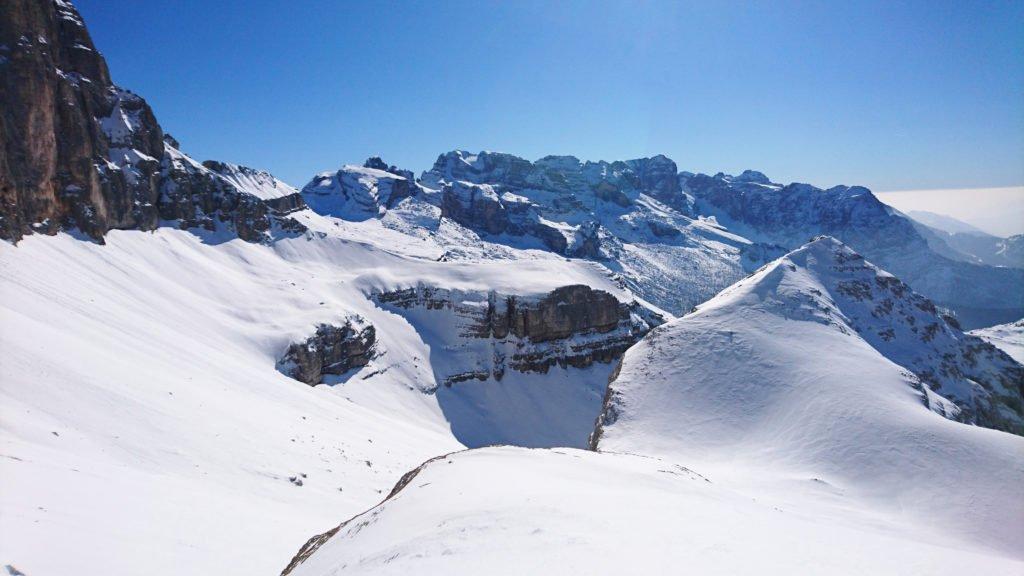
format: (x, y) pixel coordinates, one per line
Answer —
(892, 95)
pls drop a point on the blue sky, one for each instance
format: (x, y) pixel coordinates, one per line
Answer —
(892, 95)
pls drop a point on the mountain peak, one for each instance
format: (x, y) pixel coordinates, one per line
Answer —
(828, 283)
(752, 176)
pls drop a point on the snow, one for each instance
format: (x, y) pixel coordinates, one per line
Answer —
(259, 183)
(507, 510)
(759, 434)
(767, 381)
(1007, 337)
(140, 404)
(775, 428)
(352, 193)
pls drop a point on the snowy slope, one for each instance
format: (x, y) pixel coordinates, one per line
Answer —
(259, 183)
(1007, 337)
(770, 376)
(141, 406)
(508, 510)
(759, 434)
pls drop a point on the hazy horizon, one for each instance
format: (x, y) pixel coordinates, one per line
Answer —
(998, 211)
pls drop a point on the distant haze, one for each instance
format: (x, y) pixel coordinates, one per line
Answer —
(998, 211)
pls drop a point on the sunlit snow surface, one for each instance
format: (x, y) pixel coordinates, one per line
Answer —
(146, 430)
(759, 435)
(144, 427)
(1007, 337)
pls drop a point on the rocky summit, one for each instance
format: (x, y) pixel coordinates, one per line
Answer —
(82, 153)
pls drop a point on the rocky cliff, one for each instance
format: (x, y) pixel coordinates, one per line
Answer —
(573, 326)
(76, 151)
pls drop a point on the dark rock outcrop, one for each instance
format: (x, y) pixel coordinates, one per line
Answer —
(331, 350)
(76, 151)
(571, 326)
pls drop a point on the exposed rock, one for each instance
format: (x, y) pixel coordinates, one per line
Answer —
(332, 350)
(617, 182)
(587, 241)
(78, 152)
(571, 326)
(281, 198)
(479, 207)
(752, 176)
(314, 543)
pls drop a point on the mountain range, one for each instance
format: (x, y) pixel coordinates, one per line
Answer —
(499, 365)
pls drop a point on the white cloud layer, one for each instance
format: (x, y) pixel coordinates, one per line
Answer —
(999, 211)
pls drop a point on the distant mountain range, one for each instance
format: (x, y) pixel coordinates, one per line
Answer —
(93, 157)
(496, 366)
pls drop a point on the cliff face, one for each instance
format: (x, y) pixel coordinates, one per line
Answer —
(76, 151)
(54, 167)
(572, 326)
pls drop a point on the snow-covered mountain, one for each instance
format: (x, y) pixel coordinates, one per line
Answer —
(961, 241)
(142, 383)
(789, 215)
(200, 358)
(630, 217)
(762, 433)
(675, 240)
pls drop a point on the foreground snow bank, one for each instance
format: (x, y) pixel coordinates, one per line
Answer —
(509, 510)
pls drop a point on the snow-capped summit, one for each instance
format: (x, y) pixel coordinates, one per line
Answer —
(826, 286)
(359, 192)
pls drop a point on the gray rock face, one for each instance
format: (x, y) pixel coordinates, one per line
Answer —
(571, 326)
(503, 194)
(332, 350)
(78, 152)
(907, 328)
(577, 182)
(480, 207)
